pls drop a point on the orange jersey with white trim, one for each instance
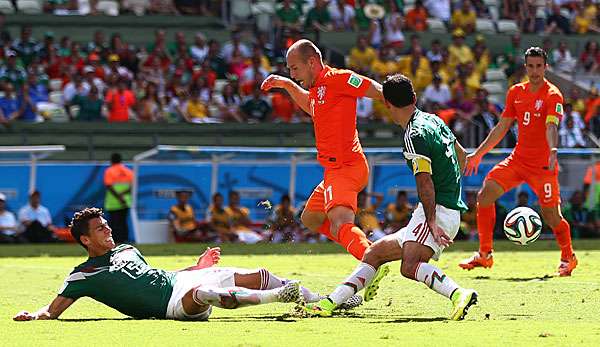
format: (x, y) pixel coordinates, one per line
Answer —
(333, 107)
(531, 111)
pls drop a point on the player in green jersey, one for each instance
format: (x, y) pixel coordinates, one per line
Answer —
(120, 277)
(436, 159)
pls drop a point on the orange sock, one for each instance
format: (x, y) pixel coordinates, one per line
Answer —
(353, 239)
(562, 233)
(486, 218)
(325, 229)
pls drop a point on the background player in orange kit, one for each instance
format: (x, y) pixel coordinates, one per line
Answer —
(331, 102)
(537, 106)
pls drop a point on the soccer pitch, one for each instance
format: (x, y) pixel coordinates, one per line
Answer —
(518, 303)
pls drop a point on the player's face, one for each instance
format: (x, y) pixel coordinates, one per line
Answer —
(536, 68)
(99, 236)
(300, 71)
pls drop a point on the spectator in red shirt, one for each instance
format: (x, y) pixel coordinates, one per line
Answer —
(416, 18)
(119, 101)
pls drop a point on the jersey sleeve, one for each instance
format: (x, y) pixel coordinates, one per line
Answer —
(417, 152)
(509, 109)
(554, 110)
(74, 286)
(351, 84)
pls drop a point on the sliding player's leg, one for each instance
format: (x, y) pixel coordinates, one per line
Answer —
(365, 275)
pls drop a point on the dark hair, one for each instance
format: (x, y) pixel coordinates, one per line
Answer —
(401, 193)
(80, 222)
(285, 197)
(523, 193)
(216, 195)
(233, 193)
(398, 90)
(115, 158)
(536, 52)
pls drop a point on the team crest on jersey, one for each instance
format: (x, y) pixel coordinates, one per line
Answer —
(559, 109)
(321, 92)
(355, 81)
(538, 104)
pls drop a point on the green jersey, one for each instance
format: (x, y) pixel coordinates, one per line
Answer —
(429, 142)
(123, 280)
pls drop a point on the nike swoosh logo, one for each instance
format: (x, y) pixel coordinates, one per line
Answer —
(519, 102)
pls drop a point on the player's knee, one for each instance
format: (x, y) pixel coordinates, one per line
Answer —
(311, 220)
(373, 256)
(408, 268)
(552, 218)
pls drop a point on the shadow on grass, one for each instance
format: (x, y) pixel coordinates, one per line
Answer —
(517, 279)
(410, 320)
(80, 320)
(286, 318)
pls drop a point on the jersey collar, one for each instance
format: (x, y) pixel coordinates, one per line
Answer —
(326, 69)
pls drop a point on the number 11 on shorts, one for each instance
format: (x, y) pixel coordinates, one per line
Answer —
(328, 194)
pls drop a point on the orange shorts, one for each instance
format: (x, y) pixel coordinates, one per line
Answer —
(340, 187)
(511, 172)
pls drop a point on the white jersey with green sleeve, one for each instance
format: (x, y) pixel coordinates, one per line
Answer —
(429, 147)
(123, 280)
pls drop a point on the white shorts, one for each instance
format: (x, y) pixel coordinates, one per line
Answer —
(447, 219)
(220, 277)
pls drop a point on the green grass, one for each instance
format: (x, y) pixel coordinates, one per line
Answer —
(517, 306)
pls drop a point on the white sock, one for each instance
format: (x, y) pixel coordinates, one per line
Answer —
(435, 279)
(362, 276)
(270, 281)
(233, 297)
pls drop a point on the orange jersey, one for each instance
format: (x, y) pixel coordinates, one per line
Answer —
(333, 108)
(532, 110)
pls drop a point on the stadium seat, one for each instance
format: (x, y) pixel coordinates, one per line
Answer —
(29, 6)
(55, 84)
(493, 87)
(241, 9)
(109, 8)
(485, 26)
(507, 26)
(489, 3)
(6, 7)
(436, 26)
(495, 75)
(494, 13)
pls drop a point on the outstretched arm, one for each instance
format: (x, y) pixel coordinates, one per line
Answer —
(209, 258)
(493, 138)
(297, 93)
(52, 311)
(375, 90)
(461, 154)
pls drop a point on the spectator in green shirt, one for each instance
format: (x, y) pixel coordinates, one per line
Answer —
(90, 106)
(583, 221)
(318, 17)
(288, 16)
(256, 108)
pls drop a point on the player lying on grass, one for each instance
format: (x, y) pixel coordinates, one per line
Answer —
(119, 277)
(436, 158)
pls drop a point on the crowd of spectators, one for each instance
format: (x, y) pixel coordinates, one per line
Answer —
(197, 80)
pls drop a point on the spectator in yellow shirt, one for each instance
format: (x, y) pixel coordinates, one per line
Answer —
(384, 65)
(362, 56)
(195, 110)
(366, 215)
(239, 217)
(182, 219)
(398, 213)
(218, 219)
(481, 55)
(464, 18)
(459, 52)
(416, 67)
(437, 69)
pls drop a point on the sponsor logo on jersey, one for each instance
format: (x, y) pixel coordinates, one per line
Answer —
(538, 104)
(355, 81)
(559, 109)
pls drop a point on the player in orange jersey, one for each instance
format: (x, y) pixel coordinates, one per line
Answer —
(537, 107)
(331, 102)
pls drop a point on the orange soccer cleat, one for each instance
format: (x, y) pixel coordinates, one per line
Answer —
(477, 260)
(567, 266)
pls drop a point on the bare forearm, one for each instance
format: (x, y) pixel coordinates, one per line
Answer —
(552, 136)
(461, 154)
(426, 193)
(494, 137)
(299, 95)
